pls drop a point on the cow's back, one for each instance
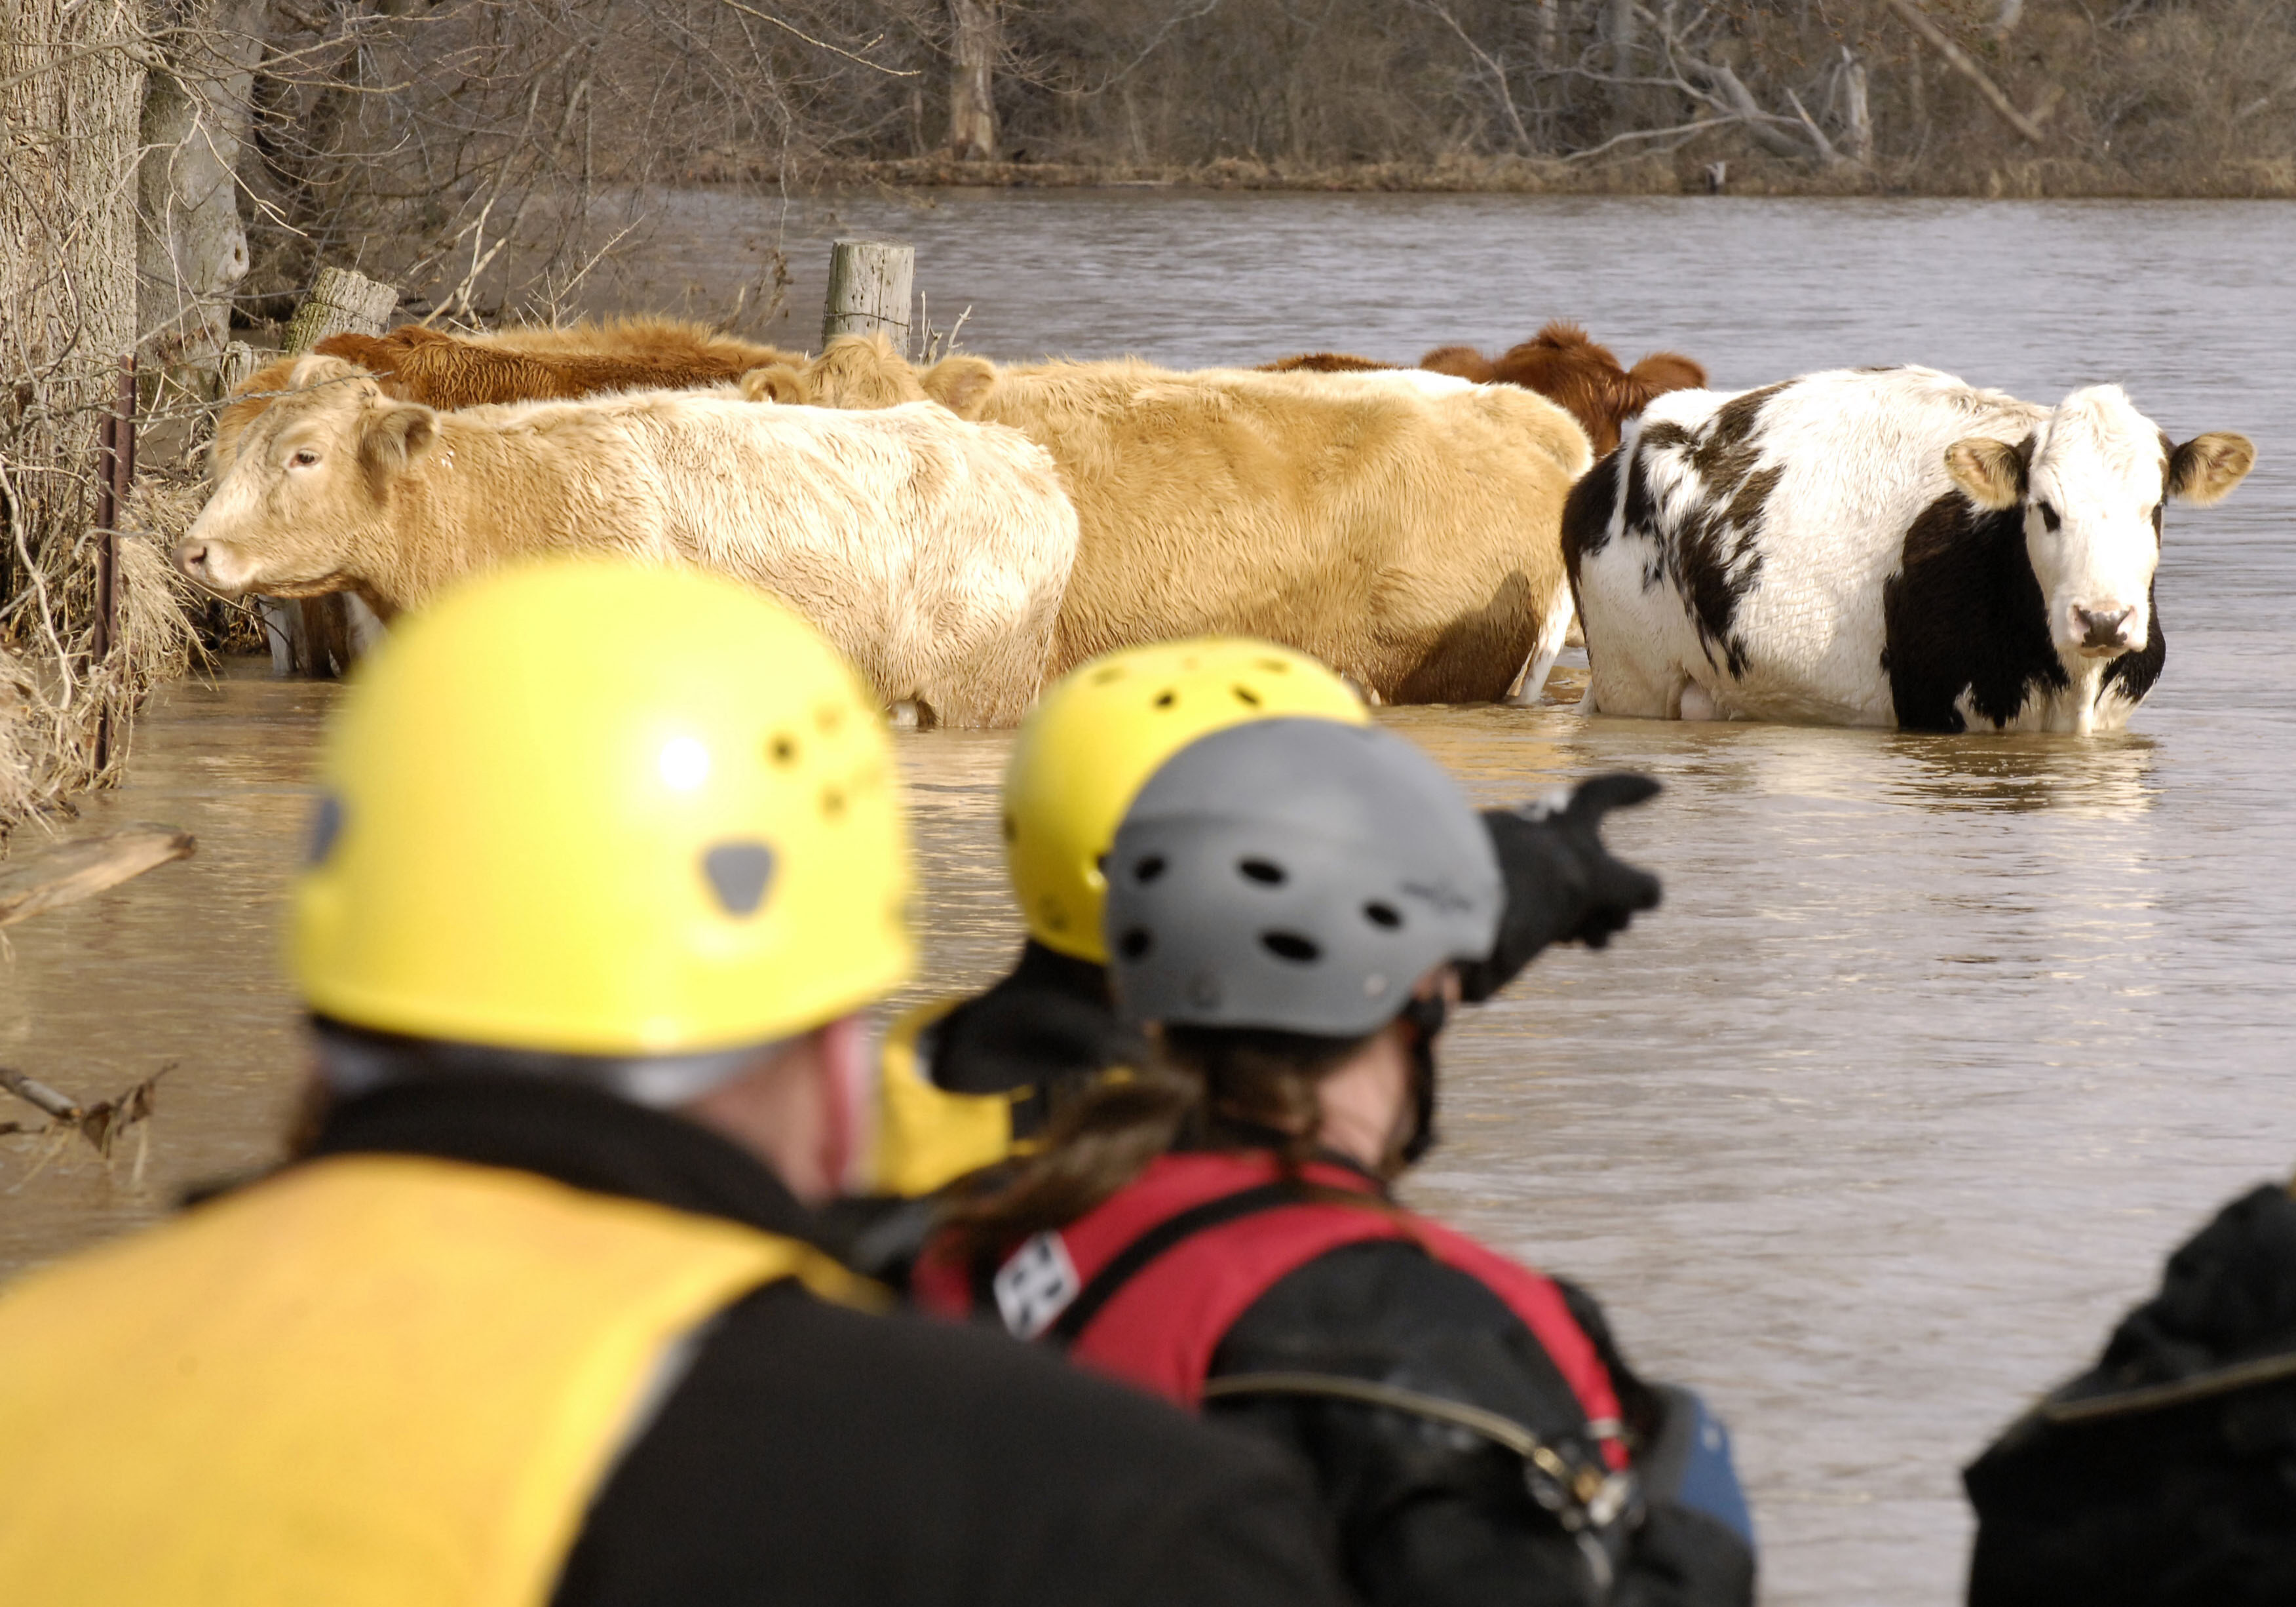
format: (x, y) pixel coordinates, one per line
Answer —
(1402, 532)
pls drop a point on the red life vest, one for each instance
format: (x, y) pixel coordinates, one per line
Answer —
(1197, 1238)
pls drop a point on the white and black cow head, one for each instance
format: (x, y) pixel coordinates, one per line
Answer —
(2091, 481)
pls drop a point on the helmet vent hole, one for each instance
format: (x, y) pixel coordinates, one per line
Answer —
(1136, 943)
(1011, 828)
(739, 874)
(1274, 667)
(1383, 914)
(1265, 871)
(1290, 946)
(1114, 672)
(783, 749)
(1166, 697)
(1145, 871)
(833, 802)
(1246, 696)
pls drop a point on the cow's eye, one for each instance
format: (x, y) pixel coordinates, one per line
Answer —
(305, 459)
(2049, 515)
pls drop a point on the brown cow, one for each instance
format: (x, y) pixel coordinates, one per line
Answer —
(1561, 362)
(419, 365)
(1563, 365)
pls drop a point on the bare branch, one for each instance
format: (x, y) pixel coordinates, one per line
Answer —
(1959, 61)
(890, 72)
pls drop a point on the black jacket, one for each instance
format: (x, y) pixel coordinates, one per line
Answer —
(811, 1453)
(1432, 1516)
(2165, 1476)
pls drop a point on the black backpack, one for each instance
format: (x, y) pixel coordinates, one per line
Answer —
(2166, 1475)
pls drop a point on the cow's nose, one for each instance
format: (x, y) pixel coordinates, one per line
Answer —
(2101, 627)
(190, 555)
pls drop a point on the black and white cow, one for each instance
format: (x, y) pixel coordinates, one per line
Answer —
(1883, 546)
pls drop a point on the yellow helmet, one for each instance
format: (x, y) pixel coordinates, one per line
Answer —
(1103, 730)
(596, 809)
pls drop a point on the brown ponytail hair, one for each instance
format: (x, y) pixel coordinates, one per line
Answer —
(1207, 1087)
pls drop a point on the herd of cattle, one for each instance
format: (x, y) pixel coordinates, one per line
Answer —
(1877, 546)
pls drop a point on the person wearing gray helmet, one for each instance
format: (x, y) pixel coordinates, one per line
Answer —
(1294, 907)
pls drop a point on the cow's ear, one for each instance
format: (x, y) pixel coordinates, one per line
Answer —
(1460, 362)
(391, 436)
(961, 384)
(1990, 473)
(2206, 468)
(773, 382)
(1665, 370)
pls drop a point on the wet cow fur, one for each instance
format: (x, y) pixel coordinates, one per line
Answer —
(1400, 527)
(538, 365)
(1878, 548)
(932, 552)
(1561, 362)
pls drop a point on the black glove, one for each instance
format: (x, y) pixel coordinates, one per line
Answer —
(1562, 884)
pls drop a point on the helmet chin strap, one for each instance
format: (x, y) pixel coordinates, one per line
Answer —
(1426, 1017)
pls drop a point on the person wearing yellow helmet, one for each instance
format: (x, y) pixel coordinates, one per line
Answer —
(968, 1083)
(966, 1080)
(606, 860)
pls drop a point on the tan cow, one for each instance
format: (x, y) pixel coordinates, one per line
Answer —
(1406, 534)
(515, 365)
(932, 551)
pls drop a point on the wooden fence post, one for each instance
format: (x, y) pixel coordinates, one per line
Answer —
(117, 469)
(232, 368)
(869, 282)
(107, 493)
(342, 301)
(317, 636)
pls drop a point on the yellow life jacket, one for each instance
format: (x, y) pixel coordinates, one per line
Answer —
(928, 1138)
(371, 1379)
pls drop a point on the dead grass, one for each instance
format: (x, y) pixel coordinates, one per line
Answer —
(66, 723)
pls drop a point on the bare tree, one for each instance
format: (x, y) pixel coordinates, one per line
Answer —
(192, 250)
(976, 42)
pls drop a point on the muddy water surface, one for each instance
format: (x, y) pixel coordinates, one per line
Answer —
(1938, 1045)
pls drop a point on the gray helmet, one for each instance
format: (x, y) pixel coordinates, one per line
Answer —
(1300, 875)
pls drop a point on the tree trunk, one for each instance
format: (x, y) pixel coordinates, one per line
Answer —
(1857, 109)
(192, 248)
(72, 85)
(1626, 101)
(978, 41)
(69, 105)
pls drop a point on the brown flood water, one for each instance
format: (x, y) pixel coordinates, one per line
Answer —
(1938, 1045)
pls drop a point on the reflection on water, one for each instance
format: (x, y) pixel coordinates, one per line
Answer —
(178, 967)
(2107, 776)
(1938, 1042)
